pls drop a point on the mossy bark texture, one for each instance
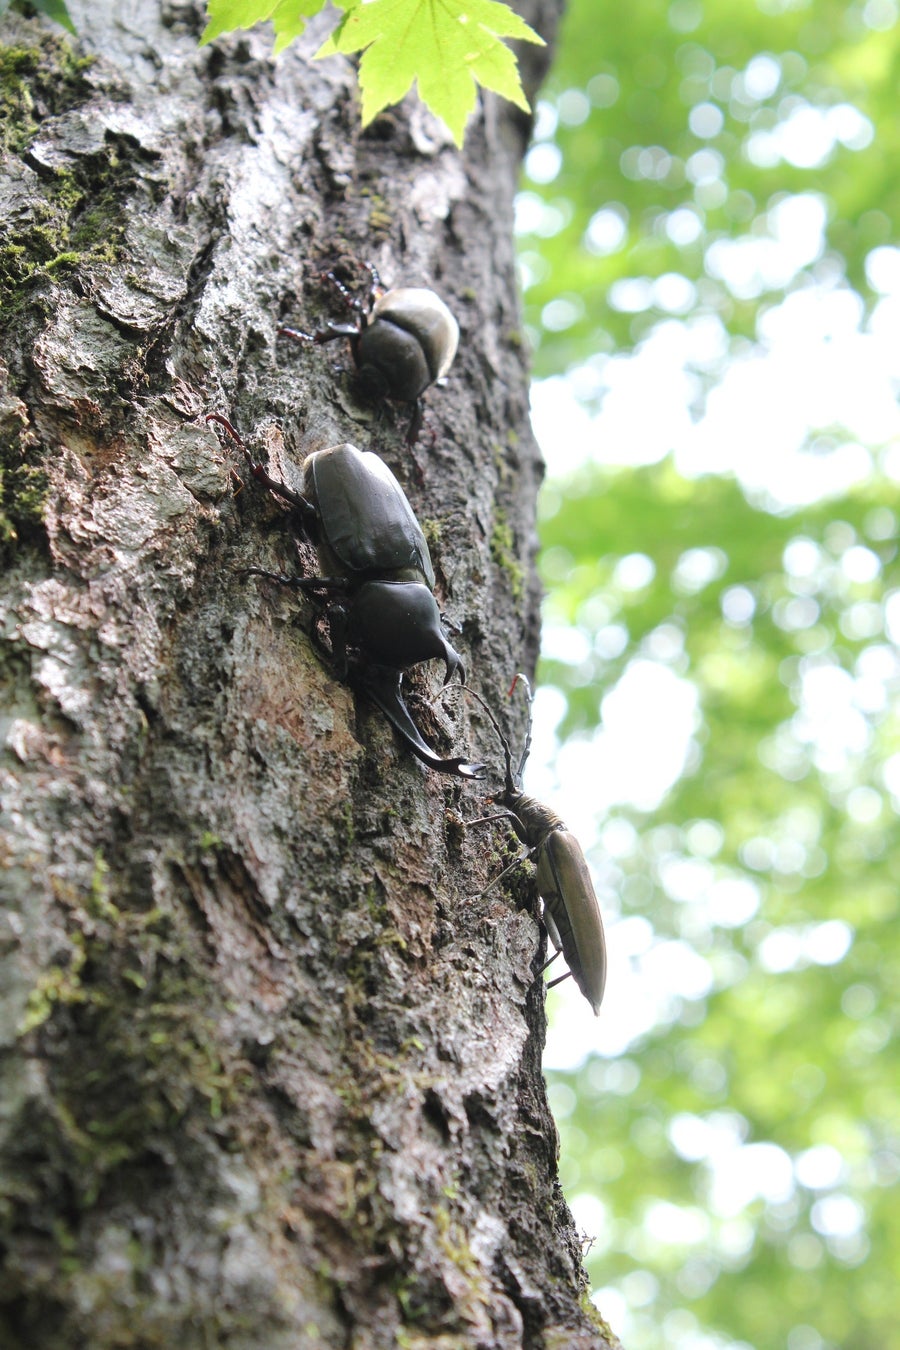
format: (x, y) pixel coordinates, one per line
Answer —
(269, 1064)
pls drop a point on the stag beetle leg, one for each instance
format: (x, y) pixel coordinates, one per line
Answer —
(259, 472)
(298, 583)
(297, 334)
(337, 631)
(350, 300)
(376, 285)
(329, 333)
(415, 426)
(282, 490)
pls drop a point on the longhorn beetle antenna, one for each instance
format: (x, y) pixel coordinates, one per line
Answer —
(513, 776)
(507, 753)
(511, 788)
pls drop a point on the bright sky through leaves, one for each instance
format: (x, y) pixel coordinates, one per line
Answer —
(446, 48)
(709, 248)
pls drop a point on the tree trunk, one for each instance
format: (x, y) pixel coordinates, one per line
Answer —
(271, 1063)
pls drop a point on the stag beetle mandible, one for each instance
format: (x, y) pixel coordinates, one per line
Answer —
(373, 556)
(571, 912)
(402, 341)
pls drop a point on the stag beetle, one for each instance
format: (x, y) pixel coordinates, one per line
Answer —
(373, 556)
(571, 912)
(402, 341)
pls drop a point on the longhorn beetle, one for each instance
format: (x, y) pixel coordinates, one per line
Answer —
(571, 911)
(402, 340)
(377, 572)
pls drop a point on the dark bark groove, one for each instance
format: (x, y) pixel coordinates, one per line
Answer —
(269, 1074)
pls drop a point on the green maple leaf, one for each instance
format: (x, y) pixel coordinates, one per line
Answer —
(447, 47)
(54, 9)
(288, 17)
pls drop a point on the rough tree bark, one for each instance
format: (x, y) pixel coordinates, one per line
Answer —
(270, 1073)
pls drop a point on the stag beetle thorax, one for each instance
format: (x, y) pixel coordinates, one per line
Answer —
(398, 625)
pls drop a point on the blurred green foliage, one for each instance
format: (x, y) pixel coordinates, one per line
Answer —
(665, 117)
(737, 1162)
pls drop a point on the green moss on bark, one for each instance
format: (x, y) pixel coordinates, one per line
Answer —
(67, 217)
(23, 482)
(38, 82)
(144, 1060)
(75, 220)
(504, 556)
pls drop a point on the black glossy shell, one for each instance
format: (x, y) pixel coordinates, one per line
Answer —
(399, 624)
(411, 339)
(423, 313)
(391, 361)
(364, 515)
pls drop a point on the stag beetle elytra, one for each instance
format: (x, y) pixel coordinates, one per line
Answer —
(374, 557)
(571, 912)
(403, 340)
